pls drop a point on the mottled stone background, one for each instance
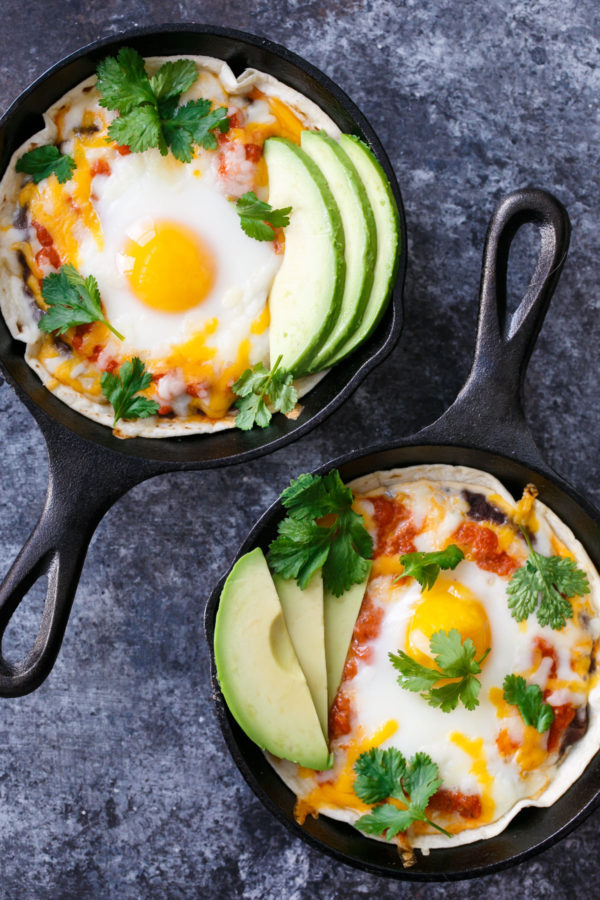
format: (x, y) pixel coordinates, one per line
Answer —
(114, 779)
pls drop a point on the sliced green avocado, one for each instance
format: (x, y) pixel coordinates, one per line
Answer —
(259, 673)
(306, 294)
(340, 618)
(361, 239)
(303, 613)
(387, 220)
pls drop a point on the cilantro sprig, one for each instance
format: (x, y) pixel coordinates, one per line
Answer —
(41, 162)
(530, 701)
(120, 389)
(258, 386)
(425, 567)
(545, 585)
(258, 219)
(385, 774)
(455, 659)
(72, 300)
(341, 548)
(149, 112)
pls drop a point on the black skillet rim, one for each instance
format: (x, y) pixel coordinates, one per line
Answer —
(264, 530)
(206, 451)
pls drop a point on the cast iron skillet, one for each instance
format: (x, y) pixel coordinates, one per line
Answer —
(89, 468)
(484, 428)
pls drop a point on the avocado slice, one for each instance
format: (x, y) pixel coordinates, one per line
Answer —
(387, 221)
(361, 239)
(306, 293)
(258, 670)
(303, 613)
(340, 614)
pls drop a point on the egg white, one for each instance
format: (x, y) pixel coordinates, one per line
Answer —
(146, 188)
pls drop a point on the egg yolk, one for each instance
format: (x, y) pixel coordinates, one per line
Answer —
(169, 268)
(447, 605)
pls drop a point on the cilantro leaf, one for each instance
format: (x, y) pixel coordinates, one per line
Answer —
(345, 564)
(258, 386)
(251, 380)
(387, 819)
(119, 389)
(378, 773)
(179, 140)
(123, 83)
(448, 696)
(342, 549)
(139, 129)
(42, 162)
(382, 774)
(455, 659)
(315, 496)
(182, 130)
(301, 548)
(545, 585)
(174, 78)
(530, 700)
(258, 219)
(425, 567)
(72, 300)
(148, 107)
(201, 122)
(413, 675)
(421, 780)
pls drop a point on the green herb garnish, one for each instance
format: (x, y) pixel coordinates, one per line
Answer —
(258, 219)
(383, 774)
(530, 700)
(41, 162)
(342, 548)
(425, 567)
(148, 107)
(119, 389)
(258, 386)
(545, 584)
(72, 300)
(455, 659)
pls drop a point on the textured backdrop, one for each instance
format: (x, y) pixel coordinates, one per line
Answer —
(114, 778)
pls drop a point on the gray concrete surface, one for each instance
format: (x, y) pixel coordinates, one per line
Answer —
(114, 779)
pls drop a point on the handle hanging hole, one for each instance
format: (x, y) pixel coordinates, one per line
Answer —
(521, 274)
(22, 630)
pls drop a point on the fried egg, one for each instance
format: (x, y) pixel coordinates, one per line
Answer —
(178, 277)
(491, 763)
(182, 282)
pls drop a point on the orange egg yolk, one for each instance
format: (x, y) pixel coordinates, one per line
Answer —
(447, 605)
(169, 268)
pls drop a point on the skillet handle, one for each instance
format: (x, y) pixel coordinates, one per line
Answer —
(488, 412)
(83, 483)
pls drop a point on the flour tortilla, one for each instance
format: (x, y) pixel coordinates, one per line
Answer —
(21, 313)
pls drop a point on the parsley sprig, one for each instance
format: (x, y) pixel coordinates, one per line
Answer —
(258, 219)
(425, 567)
(545, 585)
(455, 659)
(72, 300)
(42, 162)
(258, 386)
(342, 548)
(530, 700)
(385, 774)
(119, 389)
(148, 107)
